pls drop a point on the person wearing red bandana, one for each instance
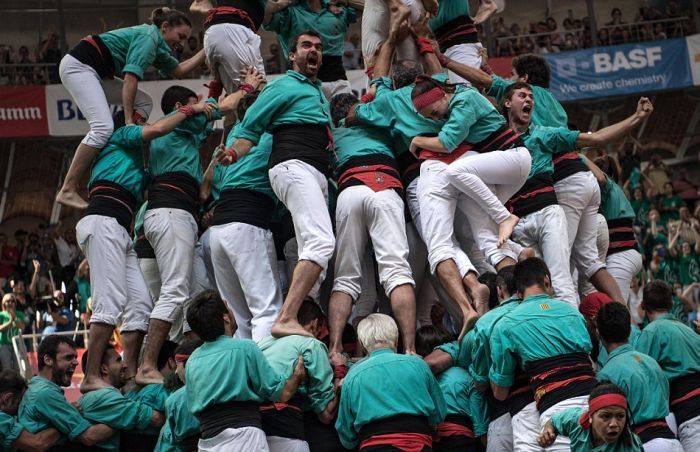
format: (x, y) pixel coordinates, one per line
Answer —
(604, 427)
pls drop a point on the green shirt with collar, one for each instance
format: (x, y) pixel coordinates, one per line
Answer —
(448, 10)
(544, 141)
(251, 171)
(179, 425)
(10, 430)
(462, 398)
(360, 141)
(121, 161)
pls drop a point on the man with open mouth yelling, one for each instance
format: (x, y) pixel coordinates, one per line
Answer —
(294, 110)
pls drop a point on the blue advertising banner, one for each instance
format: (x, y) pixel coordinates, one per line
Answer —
(620, 70)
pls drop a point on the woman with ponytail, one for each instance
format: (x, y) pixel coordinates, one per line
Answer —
(105, 69)
(604, 427)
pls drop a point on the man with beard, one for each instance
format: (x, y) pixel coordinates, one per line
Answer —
(44, 404)
(294, 109)
(108, 406)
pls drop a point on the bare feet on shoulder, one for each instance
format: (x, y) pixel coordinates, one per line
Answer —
(146, 376)
(283, 328)
(93, 384)
(71, 198)
(505, 229)
(526, 253)
(481, 299)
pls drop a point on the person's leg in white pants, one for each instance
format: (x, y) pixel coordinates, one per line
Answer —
(623, 266)
(500, 434)
(375, 29)
(279, 444)
(562, 443)
(235, 439)
(663, 445)
(229, 49)
(689, 434)
(466, 54)
(526, 429)
(151, 274)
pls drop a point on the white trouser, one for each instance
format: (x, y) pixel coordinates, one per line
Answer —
(546, 230)
(362, 213)
(93, 96)
(304, 192)
(438, 200)
(466, 54)
(663, 445)
(579, 196)
(500, 434)
(245, 264)
(279, 444)
(622, 267)
(375, 29)
(526, 429)
(330, 89)
(229, 49)
(117, 285)
(689, 434)
(235, 439)
(465, 238)
(602, 241)
(173, 235)
(562, 443)
(151, 274)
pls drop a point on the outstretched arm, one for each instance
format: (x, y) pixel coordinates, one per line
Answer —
(168, 123)
(398, 26)
(203, 6)
(486, 9)
(183, 69)
(618, 130)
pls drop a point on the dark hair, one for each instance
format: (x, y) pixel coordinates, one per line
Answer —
(245, 103)
(614, 323)
(341, 105)
(405, 72)
(657, 296)
(310, 311)
(167, 351)
(205, 315)
(608, 166)
(426, 84)
(119, 119)
(505, 279)
(295, 41)
(607, 387)
(12, 382)
(173, 95)
(508, 94)
(530, 272)
(171, 16)
(49, 347)
(489, 280)
(428, 337)
(84, 358)
(188, 346)
(535, 67)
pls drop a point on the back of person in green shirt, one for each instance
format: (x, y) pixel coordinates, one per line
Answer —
(14, 435)
(603, 427)
(388, 394)
(12, 322)
(108, 406)
(676, 347)
(45, 406)
(105, 69)
(639, 375)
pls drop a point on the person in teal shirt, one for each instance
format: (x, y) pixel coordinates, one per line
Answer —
(604, 427)
(88, 72)
(387, 398)
(13, 435)
(676, 347)
(108, 406)
(284, 424)
(228, 379)
(330, 19)
(466, 417)
(639, 376)
(12, 322)
(116, 187)
(549, 340)
(45, 406)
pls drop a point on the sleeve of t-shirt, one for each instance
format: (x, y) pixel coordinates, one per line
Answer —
(605, 190)
(479, 366)
(259, 116)
(266, 383)
(350, 15)
(376, 113)
(438, 413)
(498, 87)
(120, 412)
(165, 61)
(503, 363)
(10, 430)
(62, 415)
(141, 53)
(384, 86)
(130, 136)
(456, 129)
(566, 422)
(320, 385)
(451, 348)
(345, 423)
(479, 411)
(561, 139)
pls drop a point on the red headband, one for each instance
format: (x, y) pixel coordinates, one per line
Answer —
(423, 100)
(181, 358)
(600, 402)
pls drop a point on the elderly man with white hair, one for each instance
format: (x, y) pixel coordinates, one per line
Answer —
(388, 399)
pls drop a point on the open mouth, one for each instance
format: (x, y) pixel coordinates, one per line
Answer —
(312, 61)
(527, 109)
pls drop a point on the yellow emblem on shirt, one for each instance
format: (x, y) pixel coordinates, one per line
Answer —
(544, 306)
(637, 358)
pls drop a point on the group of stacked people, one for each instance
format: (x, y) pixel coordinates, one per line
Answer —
(431, 179)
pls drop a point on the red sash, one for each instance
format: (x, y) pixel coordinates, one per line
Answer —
(229, 10)
(463, 148)
(406, 442)
(447, 429)
(376, 177)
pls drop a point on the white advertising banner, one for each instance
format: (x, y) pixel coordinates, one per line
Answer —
(694, 57)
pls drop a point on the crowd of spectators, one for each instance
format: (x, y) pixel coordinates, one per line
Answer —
(546, 36)
(19, 67)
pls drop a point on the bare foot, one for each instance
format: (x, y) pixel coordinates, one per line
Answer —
(526, 253)
(470, 318)
(398, 15)
(337, 359)
(505, 229)
(71, 198)
(283, 328)
(481, 299)
(148, 376)
(93, 384)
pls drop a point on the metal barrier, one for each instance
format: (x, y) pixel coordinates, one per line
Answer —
(26, 73)
(20, 348)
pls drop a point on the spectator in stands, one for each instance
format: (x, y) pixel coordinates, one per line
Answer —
(58, 317)
(658, 174)
(5, 58)
(349, 55)
(688, 226)
(686, 262)
(67, 253)
(50, 53)
(8, 259)
(684, 186)
(604, 37)
(556, 38)
(24, 74)
(669, 204)
(659, 31)
(641, 206)
(615, 26)
(569, 43)
(78, 291)
(12, 322)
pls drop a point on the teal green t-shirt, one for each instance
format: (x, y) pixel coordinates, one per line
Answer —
(287, 100)
(674, 345)
(481, 351)
(688, 269)
(250, 171)
(543, 141)
(180, 424)
(298, 18)
(448, 10)
(360, 141)
(121, 161)
(566, 423)
(547, 112)
(7, 335)
(154, 396)
(462, 398)
(613, 202)
(10, 430)
(135, 49)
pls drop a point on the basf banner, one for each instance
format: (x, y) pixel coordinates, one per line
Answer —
(620, 70)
